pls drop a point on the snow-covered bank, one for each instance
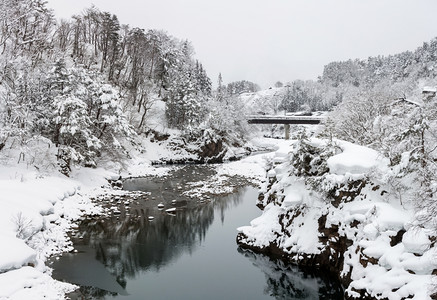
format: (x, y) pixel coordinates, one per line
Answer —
(198, 146)
(37, 212)
(40, 207)
(249, 169)
(332, 206)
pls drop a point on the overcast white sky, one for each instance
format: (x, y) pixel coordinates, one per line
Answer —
(268, 40)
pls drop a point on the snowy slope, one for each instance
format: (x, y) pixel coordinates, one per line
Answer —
(261, 101)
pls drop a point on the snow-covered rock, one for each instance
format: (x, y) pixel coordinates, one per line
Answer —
(416, 241)
(355, 159)
(333, 210)
(14, 253)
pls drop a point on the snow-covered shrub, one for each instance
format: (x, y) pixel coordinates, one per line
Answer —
(310, 161)
(23, 226)
(309, 158)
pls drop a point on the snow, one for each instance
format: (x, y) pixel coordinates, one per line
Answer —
(385, 216)
(29, 283)
(295, 194)
(32, 229)
(15, 253)
(292, 198)
(401, 270)
(250, 167)
(416, 241)
(382, 283)
(264, 227)
(429, 89)
(355, 159)
(39, 207)
(305, 237)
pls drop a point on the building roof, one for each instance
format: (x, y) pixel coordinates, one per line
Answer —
(429, 89)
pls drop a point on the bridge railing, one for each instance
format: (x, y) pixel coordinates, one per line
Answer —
(286, 120)
(267, 119)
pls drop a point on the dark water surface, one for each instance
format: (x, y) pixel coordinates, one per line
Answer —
(189, 254)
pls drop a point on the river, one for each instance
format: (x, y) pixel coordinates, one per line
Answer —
(140, 251)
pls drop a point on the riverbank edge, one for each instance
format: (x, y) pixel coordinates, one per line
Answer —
(311, 261)
(231, 167)
(66, 210)
(333, 245)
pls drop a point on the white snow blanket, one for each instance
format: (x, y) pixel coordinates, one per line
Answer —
(401, 270)
(32, 229)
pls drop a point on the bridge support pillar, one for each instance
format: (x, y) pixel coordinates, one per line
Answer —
(287, 131)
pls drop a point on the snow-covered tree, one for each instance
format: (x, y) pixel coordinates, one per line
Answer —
(184, 108)
(239, 87)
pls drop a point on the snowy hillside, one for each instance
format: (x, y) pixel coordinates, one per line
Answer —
(263, 102)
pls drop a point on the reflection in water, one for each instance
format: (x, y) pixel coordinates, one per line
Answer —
(74, 268)
(126, 247)
(128, 254)
(131, 243)
(291, 282)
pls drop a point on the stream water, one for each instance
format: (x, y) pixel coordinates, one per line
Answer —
(189, 253)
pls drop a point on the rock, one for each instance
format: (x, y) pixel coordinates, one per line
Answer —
(396, 239)
(212, 151)
(157, 136)
(346, 192)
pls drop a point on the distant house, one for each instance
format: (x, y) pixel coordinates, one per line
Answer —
(429, 92)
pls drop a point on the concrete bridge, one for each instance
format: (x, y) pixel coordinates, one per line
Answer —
(286, 120)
